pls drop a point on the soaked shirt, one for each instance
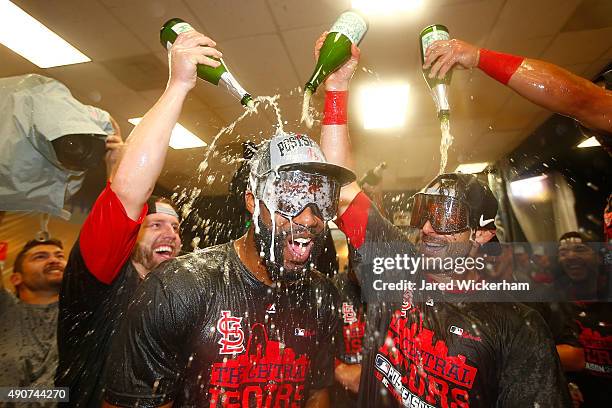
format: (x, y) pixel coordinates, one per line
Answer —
(98, 283)
(595, 381)
(202, 331)
(452, 353)
(350, 338)
(28, 349)
(352, 319)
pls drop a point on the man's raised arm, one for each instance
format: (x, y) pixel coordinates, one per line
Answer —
(335, 140)
(147, 145)
(543, 83)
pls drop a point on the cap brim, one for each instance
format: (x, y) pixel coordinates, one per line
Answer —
(342, 174)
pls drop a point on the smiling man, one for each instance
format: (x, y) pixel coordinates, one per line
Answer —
(250, 322)
(126, 235)
(28, 322)
(448, 350)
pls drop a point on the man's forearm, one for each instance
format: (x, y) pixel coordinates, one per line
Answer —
(551, 87)
(336, 145)
(146, 150)
(558, 90)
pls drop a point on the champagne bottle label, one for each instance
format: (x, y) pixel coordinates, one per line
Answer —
(435, 35)
(179, 28)
(350, 24)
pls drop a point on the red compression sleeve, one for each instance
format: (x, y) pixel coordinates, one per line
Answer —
(335, 112)
(499, 66)
(108, 236)
(354, 221)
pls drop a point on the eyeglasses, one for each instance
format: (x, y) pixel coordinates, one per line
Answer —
(292, 191)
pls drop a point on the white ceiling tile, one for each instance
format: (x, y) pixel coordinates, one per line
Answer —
(459, 18)
(151, 16)
(225, 19)
(260, 64)
(98, 86)
(298, 14)
(516, 114)
(577, 69)
(478, 97)
(300, 45)
(578, 47)
(492, 146)
(527, 47)
(528, 18)
(87, 25)
(594, 69)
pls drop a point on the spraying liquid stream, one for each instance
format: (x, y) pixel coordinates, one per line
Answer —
(271, 101)
(445, 142)
(307, 118)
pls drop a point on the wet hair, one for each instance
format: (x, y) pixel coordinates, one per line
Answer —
(18, 265)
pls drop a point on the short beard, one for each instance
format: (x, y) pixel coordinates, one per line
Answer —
(144, 256)
(56, 286)
(453, 250)
(278, 273)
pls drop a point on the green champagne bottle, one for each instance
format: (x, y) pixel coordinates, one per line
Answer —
(216, 76)
(438, 87)
(348, 29)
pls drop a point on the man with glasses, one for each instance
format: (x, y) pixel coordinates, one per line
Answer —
(447, 351)
(250, 322)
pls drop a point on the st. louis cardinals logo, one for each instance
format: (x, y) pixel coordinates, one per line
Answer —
(230, 327)
(348, 313)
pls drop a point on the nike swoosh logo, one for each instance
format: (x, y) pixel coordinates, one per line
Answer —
(484, 222)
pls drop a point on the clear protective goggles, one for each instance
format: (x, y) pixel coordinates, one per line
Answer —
(292, 191)
(446, 214)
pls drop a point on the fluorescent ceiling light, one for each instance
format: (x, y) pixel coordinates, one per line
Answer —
(29, 38)
(385, 6)
(590, 142)
(471, 168)
(384, 106)
(181, 138)
(534, 188)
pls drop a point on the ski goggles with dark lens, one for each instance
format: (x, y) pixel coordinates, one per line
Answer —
(446, 214)
(294, 190)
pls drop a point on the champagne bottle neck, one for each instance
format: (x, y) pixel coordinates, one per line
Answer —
(230, 83)
(440, 96)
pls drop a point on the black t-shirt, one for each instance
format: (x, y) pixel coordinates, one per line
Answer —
(90, 313)
(352, 319)
(559, 316)
(446, 354)
(98, 282)
(351, 332)
(453, 353)
(203, 331)
(595, 381)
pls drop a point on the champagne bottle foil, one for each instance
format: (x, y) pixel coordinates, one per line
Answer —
(440, 96)
(228, 81)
